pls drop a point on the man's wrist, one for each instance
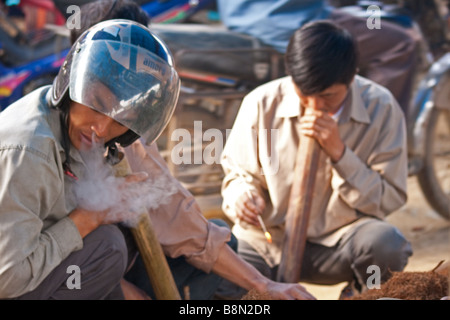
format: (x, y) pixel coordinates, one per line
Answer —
(84, 221)
(260, 284)
(339, 154)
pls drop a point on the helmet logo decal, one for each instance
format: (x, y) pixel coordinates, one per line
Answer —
(153, 65)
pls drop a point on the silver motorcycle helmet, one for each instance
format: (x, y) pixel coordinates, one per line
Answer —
(123, 70)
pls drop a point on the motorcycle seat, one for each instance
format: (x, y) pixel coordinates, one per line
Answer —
(220, 55)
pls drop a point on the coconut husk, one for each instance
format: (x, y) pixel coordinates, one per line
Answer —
(430, 285)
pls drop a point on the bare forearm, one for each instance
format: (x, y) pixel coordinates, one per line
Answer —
(231, 267)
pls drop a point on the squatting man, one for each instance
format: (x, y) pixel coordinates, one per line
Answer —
(362, 170)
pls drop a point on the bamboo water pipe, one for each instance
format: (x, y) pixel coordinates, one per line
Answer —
(150, 249)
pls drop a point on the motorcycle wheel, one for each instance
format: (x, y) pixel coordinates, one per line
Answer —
(434, 178)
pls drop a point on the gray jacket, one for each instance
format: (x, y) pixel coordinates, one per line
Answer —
(35, 232)
(36, 197)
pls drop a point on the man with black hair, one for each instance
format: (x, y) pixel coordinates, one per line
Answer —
(361, 179)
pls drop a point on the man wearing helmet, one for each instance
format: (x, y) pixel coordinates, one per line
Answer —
(102, 93)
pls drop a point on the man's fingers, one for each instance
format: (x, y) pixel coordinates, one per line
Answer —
(247, 215)
(251, 206)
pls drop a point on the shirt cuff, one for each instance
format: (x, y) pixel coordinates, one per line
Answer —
(66, 236)
(217, 237)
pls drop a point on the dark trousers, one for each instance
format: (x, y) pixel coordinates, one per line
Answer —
(107, 256)
(201, 285)
(102, 262)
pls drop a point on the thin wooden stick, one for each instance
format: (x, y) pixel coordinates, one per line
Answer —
(260, 219)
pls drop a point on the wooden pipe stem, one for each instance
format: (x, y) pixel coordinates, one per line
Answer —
(150, 249)
(299, 209)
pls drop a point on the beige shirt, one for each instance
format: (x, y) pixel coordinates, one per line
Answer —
(368, 181)
(36, 197)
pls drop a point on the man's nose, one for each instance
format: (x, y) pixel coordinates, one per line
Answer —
(102, 125)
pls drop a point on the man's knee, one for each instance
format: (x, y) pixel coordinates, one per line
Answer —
(233, 243)
(100, 264)
(111, 246)
(107, 261)
(383, 245)
(392, 248)
(378, 247)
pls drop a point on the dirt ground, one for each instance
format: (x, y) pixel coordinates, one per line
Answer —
(428, 233)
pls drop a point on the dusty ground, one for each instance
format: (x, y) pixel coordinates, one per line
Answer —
(428, 233)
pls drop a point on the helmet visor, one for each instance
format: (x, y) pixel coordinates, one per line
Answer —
(127, 83)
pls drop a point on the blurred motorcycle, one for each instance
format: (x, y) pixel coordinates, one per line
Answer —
(28, 59)
(30, 56)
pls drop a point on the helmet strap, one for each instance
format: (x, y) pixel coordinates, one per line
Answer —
(65, 143)
(112, 156)
(127, 138)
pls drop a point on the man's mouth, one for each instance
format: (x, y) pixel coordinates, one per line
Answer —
(86, 140)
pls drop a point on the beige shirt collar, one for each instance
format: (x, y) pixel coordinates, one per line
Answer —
(353, 106)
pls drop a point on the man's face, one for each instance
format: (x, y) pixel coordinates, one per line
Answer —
(329, 100)
(86, 124)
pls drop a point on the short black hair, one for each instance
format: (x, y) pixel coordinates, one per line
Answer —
(319, 55)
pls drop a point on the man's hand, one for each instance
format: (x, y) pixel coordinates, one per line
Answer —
(322, 127)
(288, 291)
(248, 208)
(231, 266)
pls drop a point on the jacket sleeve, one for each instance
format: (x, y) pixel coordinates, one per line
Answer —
(29, 185)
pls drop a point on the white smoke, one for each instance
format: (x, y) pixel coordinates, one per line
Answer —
(101, 190)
